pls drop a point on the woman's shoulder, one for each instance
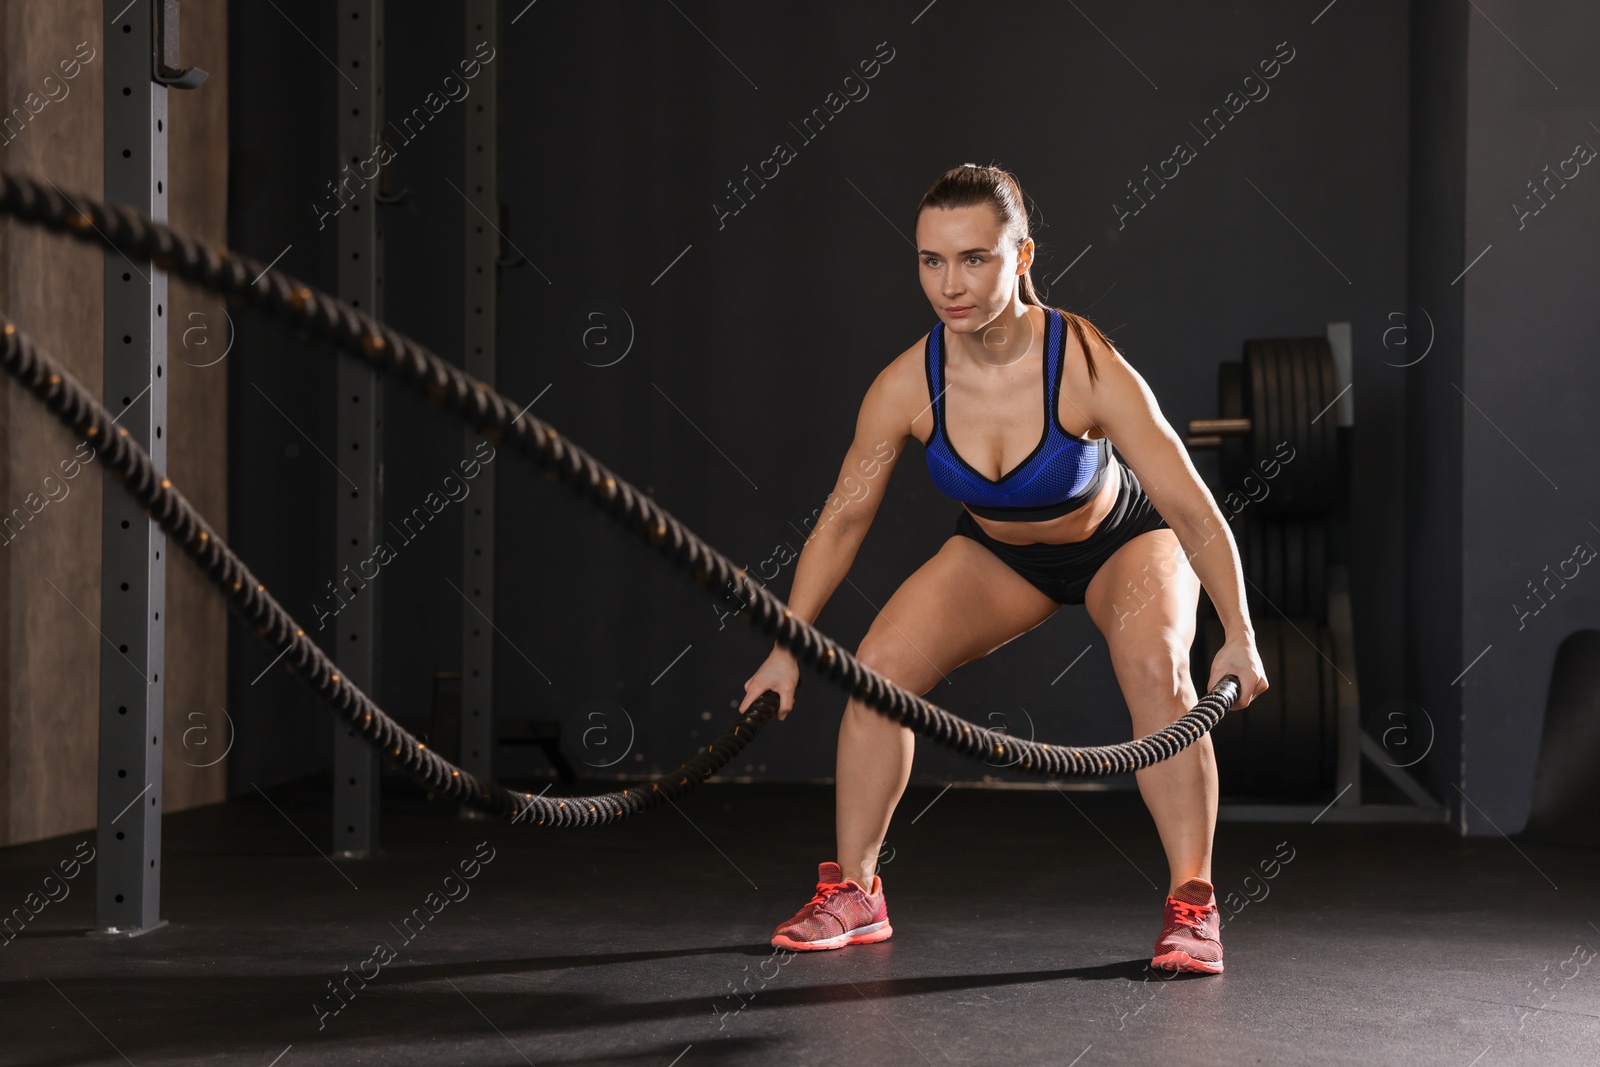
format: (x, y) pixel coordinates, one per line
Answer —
(900, 389)
(913, 355)
(906, 375)
(1100, 352)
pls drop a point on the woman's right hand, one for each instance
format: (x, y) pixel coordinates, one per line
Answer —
(780, 673)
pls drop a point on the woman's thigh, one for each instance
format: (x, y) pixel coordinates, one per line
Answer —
(1143, 599)
(959, 606)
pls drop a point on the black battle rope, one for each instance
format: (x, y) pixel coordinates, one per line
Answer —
(498, 419)
(75, 406)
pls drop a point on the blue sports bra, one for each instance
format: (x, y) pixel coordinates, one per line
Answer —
(1060, 475)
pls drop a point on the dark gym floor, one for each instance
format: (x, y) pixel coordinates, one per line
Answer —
(1023, 920)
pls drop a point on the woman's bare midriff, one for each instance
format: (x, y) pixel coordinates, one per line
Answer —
(1076, 525)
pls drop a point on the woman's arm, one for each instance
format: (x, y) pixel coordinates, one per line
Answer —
(835, 530)
(1124, 408)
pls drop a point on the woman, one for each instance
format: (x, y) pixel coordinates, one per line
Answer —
(1051, 516)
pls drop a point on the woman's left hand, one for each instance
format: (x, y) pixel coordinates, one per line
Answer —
(1238, 657)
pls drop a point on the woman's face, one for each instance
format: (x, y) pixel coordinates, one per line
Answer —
(968, 268)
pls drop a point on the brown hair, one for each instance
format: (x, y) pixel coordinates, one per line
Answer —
(971, 184)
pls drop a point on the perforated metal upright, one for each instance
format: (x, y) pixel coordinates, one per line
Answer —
(360, 407)
(140, 43)
(481, 241)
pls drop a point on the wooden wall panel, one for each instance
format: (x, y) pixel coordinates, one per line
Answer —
(197, 415)
(49, 558)
(51, 578)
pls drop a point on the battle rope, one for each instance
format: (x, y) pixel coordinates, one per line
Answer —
(389, 351)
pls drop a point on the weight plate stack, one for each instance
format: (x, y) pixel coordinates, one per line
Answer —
(1300, 584)
(1285, 563)
(1283, 746)
(1300, 684)
(1288, 385)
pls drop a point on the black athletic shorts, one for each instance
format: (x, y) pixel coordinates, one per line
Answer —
(1062, 572)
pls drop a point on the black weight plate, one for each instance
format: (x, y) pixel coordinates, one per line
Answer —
(1282, 412)
(1298, 421)
(1276, 587)
(1330, 708)
(1231, 463)
(1290, 428)
(1300, 760)
(1261, 535)
(1317, 569)
(1326, 426)
(1249, 374)
(1302, 354)
(1294, 566)
(1320, 482)
(1262, 398)
(1329, 425)
(1289, 381)
(1282, 587)
(1290, 498)
(1308, 535)
(1264, 723)
(1313, 486)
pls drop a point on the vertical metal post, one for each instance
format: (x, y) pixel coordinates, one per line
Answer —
(132, 570)
(360, 418)
(481, 173)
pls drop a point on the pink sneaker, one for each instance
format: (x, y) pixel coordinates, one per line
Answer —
(841, 913)
(1189, 936)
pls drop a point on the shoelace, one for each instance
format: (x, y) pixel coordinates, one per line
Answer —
(826, 890)
(1192, 915)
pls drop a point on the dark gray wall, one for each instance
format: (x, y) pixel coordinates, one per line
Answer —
(1503, 478)
(1528, 390)
(1431, 323)
(753, 336)
(281, 518)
